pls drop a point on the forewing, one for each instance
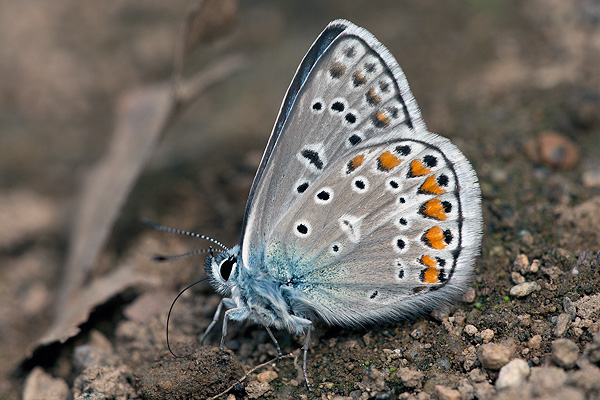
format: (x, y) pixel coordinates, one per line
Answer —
(348, 93)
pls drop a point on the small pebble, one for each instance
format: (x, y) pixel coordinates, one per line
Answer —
(266, 376)
(255, 390)
(470, 360)
(534, 342)
(417, 333)
(535, 266)
(569, 307)
(588, 307)
(487, 335)
(512, 374)
(562, 324)
(557, 151)
(493, 356)
(410, 378)
(565, 353)
(517, 277)
(445, 393)
(477, 375)
(521, 263)
(523, 289)
(470, 330)
(469, 295)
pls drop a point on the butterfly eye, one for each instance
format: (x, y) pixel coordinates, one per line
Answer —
(226, 267)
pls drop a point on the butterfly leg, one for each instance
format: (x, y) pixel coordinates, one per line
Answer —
(305, 349)
(274, 342)
(214, 320)
(236, 314)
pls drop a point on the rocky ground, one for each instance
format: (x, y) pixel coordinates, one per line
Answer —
(515, 85)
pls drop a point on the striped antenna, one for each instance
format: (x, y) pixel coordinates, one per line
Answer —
(161, 258)
(158, 227)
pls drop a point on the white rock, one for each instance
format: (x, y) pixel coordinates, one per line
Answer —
(470, 329)
(512, 374)
(523, 289)
(487, 335)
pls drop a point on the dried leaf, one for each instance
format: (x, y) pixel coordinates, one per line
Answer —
(68, 324)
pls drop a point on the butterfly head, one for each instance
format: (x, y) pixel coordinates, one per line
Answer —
(222, 270)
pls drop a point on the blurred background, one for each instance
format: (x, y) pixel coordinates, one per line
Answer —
(516, 85)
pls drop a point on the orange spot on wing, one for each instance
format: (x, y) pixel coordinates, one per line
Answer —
(387, 161)
(431, 186)
(428, 260)
(434, 209)
(358, 160)
(355, 163)
(372, 97)
(434, 238)
(381, 119)
(358, 78)
(431, 275)
(418, 169)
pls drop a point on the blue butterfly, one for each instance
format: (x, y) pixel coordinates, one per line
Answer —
(357, 214)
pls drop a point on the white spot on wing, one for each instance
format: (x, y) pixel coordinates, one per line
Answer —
(350, 225)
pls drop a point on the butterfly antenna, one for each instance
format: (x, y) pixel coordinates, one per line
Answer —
(161, 258)
(163, 228)
(169, 318)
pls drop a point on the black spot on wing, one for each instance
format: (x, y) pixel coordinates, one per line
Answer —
(313, 157)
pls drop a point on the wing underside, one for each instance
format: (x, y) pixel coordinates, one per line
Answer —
(363, 213)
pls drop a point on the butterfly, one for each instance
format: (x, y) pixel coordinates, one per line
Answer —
(358, 214)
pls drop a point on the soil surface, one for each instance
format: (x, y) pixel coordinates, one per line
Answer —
(515, 85)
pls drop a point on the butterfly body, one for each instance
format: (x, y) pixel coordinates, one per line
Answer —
(256, 295)
(357, 214)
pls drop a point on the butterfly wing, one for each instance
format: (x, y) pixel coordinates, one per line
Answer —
(385, 232)
(343, 64)
(363, 212)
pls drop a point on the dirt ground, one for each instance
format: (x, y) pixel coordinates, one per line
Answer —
(515, 85)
